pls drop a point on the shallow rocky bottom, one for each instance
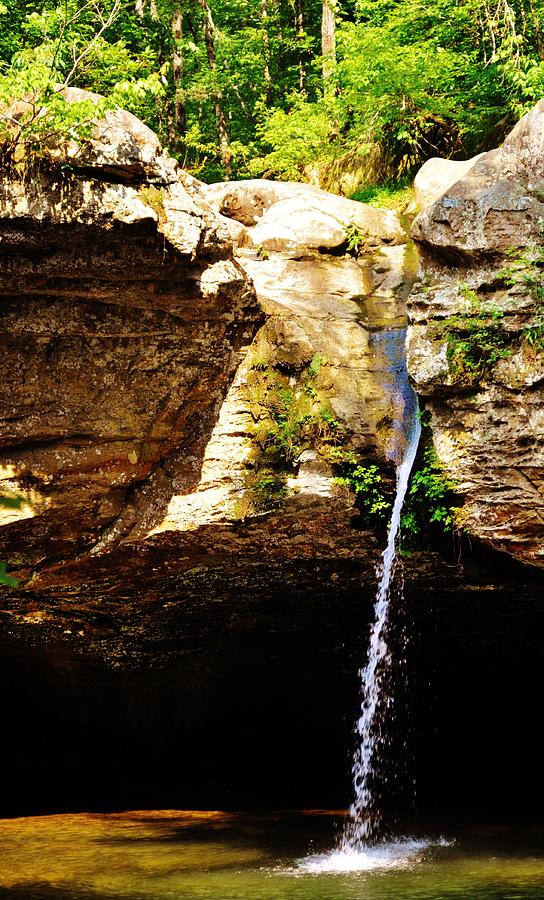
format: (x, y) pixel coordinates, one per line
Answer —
(180, 855)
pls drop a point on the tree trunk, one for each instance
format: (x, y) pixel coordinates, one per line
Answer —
(300, 36)
(298, 25)
(539, 42)
(266, 47)
(154, 12)
(328, 46)
(210, 32)
(180, 119)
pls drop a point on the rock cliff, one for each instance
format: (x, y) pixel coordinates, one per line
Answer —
(476, 337)
(183, 365)
(172, 405)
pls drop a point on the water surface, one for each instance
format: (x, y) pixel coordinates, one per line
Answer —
(226, 856)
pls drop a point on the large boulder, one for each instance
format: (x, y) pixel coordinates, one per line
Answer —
(497, 204)
(437, 176)
(293, 216)
(120, 147)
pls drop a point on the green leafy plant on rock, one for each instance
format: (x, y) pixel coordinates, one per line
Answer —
(431, 508)
(356, 238)
(263, 491)
(290, 416)
(476, 340)
(527, 270)
(368, 485)
(9, 502)
(269, 490)
(154, 198)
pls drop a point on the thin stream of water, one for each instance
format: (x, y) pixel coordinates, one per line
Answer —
(364, 821)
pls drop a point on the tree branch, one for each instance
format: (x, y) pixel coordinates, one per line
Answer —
(105, 24)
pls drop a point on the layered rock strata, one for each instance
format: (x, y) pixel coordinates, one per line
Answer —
(139, 377)
(475, 343)
(124, 318)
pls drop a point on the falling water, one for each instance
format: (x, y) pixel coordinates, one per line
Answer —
(364, 816)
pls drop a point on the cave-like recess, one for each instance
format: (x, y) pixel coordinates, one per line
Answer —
(245, 699)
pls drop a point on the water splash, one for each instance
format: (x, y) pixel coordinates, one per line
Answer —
(364, 814)
(386, 855)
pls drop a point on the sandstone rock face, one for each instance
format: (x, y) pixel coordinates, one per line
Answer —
(139, 377)
(498, 204)
(437, 176)
(488, 420)
(292, 216)
(123, 319)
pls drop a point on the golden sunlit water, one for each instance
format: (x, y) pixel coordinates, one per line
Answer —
(178, 855)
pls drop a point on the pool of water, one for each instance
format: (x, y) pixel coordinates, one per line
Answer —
(178, 855)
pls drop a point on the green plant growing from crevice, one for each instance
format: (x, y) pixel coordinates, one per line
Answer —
(527, 270)
(356, 238)
(9, 502)
(432, 502)
(263, 491)
(476, 340)
(367, 483)
(290, 417)
(269, 490)
(154, 198)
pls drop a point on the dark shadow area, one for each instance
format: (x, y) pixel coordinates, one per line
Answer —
(243, 694)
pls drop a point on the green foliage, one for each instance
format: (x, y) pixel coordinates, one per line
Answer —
(356, 239)
(9, 502)
(389, 195)
(296, 139)
(314, 366)
(476, 340)
(290, 417)
(12, 502)
(430, 503)
(414, 80)
(367, 484)
(154, 198)
(526, 269)
(269, 491)
(5, 578)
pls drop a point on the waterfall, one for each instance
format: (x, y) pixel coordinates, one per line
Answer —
(364, 814)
